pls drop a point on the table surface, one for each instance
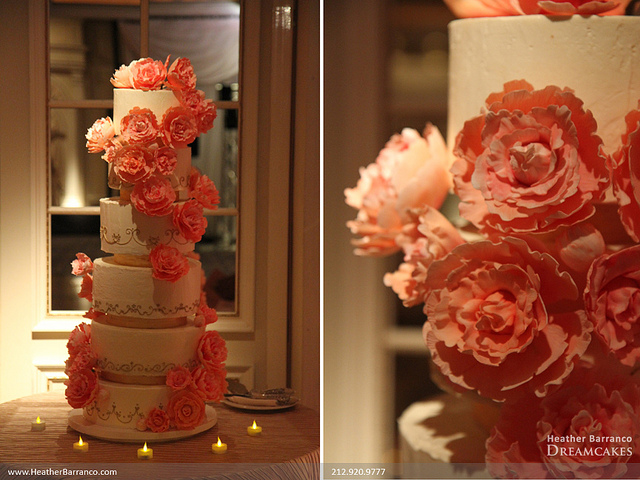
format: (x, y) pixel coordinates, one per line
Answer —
(288, 437)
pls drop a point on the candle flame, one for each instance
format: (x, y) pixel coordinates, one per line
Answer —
(144, 449)
(80, 441)
(219, 442)
(254, 425)
(38, 420)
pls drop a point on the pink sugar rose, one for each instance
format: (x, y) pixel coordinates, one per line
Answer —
(82, 387)
(211, 385)
(499, 319)
(179, 127)
(181, 75)
(202, 108)
(612, 301)
(166, 160)
(154, 196)
(588, 428)
(80, 337)
(84, 358)
(212, 350)
(210, 315)
(179, 378)
(122, 77)
(186, 409)
(499, 8)
(157, 420)
(168, 263)
(81, 265)
(93, 314)
(86, 288)
(111, 147)
(147, 74)
(203, 190)
(625, 175)
(430, 236)
(410, 172)
(133, 163)
(139, 126)
(100, 132)
(531, 164)
(188, 218)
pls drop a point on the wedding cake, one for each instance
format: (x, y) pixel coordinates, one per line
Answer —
(146, 365)
(531, 295)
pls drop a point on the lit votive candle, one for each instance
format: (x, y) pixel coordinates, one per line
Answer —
(254, 430)
(81, 446)
(38, 425)
(145, 453)
(219, 447)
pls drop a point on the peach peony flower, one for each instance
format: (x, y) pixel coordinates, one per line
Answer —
(430, 236)
(99, 134)
(166, 160)
(84, 358)
(179, 127)
(86, 288)
(168, 263)
(625, 175)
(589, 428)
(612, 301)
(179, 378)
(93, 314)
(188, 218)
(181, 75)
(122, 77)
(80, 337)
(580, 245)
(139, 126)
(203, 190)
(211, 385)
(212, 350)
(81, 265)
(133, 163)
(410, 172)
(82, 387)
(157, 420)
(147, 74)
(495, 321)
(531, 164)
(210, 315)
(186, 410)
(111, 147)
(153, 197)
(499, 8)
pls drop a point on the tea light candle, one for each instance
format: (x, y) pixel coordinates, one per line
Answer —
(145, 453)
(254, 430)
(219, 447)
(38, 425)
(81, 446)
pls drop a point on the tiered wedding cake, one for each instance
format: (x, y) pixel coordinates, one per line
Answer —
(146, 365)
(532, 296)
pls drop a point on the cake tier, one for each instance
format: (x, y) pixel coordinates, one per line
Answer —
(124, 230)
(133, 292)
(143, 356)
(121, 405)
(125, 99)
(597, 57)
(179, 179)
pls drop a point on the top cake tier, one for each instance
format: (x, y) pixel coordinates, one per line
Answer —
(597, 57)
(125, 99)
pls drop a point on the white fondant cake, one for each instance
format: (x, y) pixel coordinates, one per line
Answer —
(125, 99)
(124, 230)
(147, 362)
(137, 355)
(133, 292)
(597, 57)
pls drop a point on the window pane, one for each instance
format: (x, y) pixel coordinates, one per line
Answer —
(71, 234)
(217, 251)
(78, 178)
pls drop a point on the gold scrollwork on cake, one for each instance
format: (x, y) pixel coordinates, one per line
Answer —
(134, 310)
(170, 236)
(105, 415)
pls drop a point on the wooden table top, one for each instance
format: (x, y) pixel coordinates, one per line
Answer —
(290, 441)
